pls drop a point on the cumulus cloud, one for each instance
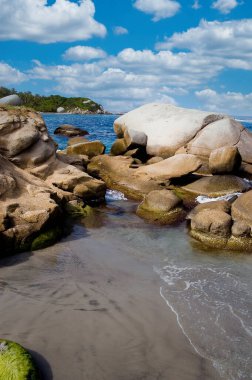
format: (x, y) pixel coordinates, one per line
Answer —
(225, 6)
(229, 102)
(34, 20)
(9, 75)
(159, 9)
(83, 53)
(229, 42)
(120, 30)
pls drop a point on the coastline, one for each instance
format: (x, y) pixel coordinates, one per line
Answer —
(99, 314)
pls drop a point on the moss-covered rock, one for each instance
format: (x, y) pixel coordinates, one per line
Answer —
(16, 363)
(77, 209)
(47, 238)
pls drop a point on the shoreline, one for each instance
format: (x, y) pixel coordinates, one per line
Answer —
(105, 303)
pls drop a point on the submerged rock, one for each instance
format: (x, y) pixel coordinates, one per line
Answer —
(162, 207)
(70, 131)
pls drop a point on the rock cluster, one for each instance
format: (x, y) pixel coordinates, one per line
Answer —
(36, 184)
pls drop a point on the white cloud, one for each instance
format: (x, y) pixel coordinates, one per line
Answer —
(225, 6)
(160, 9)
(120, 30)
(34, 20)
(229, 102)
(228, 43)
(196, 5)
(9, 75)
(83, 53)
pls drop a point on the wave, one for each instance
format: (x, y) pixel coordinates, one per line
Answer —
(113, 195)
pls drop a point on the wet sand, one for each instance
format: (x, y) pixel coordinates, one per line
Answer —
(89, 309)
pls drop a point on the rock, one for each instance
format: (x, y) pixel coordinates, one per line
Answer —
(70, 131)
(165, 129)
(173, 167)
(215, 222)
(222, 205)
(240, 229)
(119, 147)
(224, 160)
(11, 100)
(61, 110)
(217, 185)
(90, 149)
(242, 209)
(76, 140)
(154, 160)
(16, 363)
(79, 161)
(161, 206)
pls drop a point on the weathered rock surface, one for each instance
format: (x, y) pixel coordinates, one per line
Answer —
(11, 100)
(34, 191)
(90, 149)
(70, 131)
(224, 160)
(213, 221)
(217, 185)
(161, 206)
(173, 167)
(242, 208)
(164, 129)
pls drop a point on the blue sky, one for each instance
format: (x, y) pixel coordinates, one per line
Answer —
(124, 53)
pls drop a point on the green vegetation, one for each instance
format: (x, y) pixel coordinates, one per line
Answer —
(16, 363)
(52, 102)
(47, 238)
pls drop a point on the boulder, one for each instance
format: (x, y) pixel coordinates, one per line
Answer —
(166, 129)
(11, 100)
(70, 131)
(154, 160)
(76, 140)
(118, 148)
(221, 205)
(217, 185)
(173, 167)
(224, 160)
(90, 149)
(242, 209)
(210, 221)
(61, 110)
(161, 206)
(241, 229)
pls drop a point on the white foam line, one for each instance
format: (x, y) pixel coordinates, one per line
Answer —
(179, 323)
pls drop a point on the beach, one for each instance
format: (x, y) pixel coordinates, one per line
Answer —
(89, 308)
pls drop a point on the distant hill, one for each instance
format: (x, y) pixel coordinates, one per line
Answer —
(53, 102)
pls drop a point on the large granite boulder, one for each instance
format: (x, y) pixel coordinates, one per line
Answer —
(165, 129)
(11, 100)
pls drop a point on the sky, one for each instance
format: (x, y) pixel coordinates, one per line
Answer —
(125, 53)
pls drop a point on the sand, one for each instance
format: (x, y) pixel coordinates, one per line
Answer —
(89, 309)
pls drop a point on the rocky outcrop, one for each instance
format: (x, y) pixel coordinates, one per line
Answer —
(35, 185)
(162, 207)
(70, 131)
(11, 100)
(119, 173)
(164, 130)
(224, 225)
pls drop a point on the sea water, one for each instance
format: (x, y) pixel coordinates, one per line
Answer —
(209, 292)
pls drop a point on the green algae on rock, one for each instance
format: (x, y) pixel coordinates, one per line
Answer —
(16, 363)
(47, 238)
